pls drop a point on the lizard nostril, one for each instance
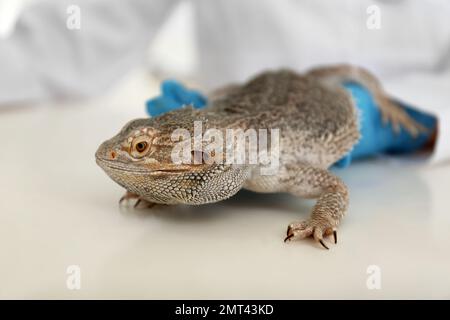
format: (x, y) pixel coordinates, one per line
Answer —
(113, 155)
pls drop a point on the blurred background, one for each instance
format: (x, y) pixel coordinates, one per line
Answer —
(72, 73)
(171, 49)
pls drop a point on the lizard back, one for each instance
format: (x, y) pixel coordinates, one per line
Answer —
(318, 124)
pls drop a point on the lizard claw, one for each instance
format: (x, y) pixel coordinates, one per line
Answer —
(137, 203)
(288, 238)
(323, 244)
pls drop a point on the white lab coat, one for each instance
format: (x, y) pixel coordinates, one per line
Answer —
(235, 39)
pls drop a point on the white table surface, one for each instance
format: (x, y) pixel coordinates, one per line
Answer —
(58, 209)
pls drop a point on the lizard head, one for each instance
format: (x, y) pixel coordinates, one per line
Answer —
(139, 158)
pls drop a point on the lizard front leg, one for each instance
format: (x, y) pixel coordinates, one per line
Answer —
(330, 208)
(130, 195)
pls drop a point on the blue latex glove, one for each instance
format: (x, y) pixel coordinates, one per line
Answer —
(173, 96)
(376, 137)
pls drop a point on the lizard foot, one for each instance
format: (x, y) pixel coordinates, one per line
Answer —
(317, 229)
(395, 115)
(129, 195)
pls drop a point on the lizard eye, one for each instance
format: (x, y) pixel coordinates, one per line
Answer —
(140, 146)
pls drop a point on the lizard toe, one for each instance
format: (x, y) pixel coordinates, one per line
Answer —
(299, 230)
(127, 196)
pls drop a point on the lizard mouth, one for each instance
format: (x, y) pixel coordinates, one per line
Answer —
(103, 163)
(125, 167)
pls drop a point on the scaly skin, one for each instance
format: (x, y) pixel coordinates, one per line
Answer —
(318, 125)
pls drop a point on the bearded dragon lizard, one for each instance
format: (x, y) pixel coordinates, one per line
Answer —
(318, 124)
